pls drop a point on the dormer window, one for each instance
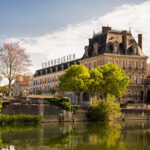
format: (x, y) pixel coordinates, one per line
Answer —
(96, 46)
(135, 51)
(115, 47)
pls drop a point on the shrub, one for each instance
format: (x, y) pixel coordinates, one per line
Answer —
(63, 102)
(104, 110)
(22, 118)
(38, 92)
(75, 108)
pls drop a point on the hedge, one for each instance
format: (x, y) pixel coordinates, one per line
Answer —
(22, 118)
(64, 103)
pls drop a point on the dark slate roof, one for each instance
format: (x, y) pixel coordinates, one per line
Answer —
(109, 39)
(59, 66)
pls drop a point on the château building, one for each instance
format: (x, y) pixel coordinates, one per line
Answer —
(108, 46)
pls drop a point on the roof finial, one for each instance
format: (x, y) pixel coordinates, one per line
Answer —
(130, 30)
(94, 32)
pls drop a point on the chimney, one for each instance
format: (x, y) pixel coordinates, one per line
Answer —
(124, 40)
(140, 40)
(105, 29)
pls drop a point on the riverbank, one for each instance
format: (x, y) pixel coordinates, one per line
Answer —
(51, 113)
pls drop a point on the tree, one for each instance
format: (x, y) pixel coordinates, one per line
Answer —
(108, 79)
(95, 80)
(74, 79)
(13, 61)
(5, 90)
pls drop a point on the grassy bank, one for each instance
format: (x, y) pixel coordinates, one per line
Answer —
(16, 119)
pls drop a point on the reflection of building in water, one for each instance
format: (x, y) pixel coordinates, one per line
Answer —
(109, 46)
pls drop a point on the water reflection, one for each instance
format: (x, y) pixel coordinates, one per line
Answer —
(78, 136)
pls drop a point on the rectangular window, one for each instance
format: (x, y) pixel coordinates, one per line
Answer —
(94, 65)
(136, 80)
(129, 65)
(136, 65)
(109, 61)
(129, 94)
(135, 95)
(142, 79)
(122, 64)
(142, 65)
(116, 62)
(101, 62)
(130, 78)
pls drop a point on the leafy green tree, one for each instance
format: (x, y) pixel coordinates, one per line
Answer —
(104, 110)
(75, 79)
(108, 79)
(95, 81)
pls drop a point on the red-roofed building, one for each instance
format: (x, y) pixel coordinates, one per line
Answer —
(21, 86)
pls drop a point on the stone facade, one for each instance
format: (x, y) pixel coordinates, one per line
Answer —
(109, 46)
(148, 70)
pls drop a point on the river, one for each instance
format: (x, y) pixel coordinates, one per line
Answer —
(129, 135)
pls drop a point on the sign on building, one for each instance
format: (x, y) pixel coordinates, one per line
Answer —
(58, 61)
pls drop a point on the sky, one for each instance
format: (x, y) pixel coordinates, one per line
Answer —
(50, 29)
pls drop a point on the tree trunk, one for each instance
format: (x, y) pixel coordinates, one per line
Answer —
(9, 90)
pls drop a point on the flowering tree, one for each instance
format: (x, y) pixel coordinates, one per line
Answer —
(13, 61)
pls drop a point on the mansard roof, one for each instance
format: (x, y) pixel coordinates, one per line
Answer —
(113, 42)
(56, 68)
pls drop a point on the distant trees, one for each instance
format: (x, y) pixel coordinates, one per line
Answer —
(13, 61)
(4, 90)
(75, 79)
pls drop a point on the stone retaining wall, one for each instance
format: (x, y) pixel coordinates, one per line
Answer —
(52, 113)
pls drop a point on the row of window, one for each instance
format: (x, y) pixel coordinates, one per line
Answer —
(46, 80)
(135, 94)
(136, 79)
(129, 64)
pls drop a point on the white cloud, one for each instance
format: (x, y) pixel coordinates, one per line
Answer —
(73, 38)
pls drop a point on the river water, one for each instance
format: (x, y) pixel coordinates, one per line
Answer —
(130, 135)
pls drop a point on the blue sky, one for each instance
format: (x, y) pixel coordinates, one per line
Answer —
(49, 29)
(37, 17)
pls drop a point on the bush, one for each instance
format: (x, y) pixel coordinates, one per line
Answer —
(38, 92)
(22, 118)
(64, 103)
(75, 108)
(104, 110)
